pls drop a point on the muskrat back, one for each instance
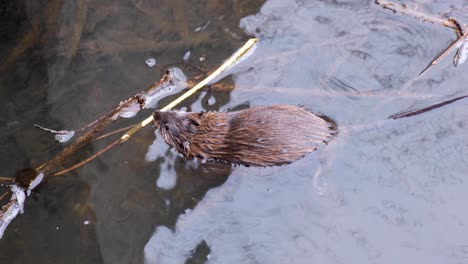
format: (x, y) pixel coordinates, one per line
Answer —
(259, 136)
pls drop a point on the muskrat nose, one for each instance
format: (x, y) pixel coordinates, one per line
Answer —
(157, 117)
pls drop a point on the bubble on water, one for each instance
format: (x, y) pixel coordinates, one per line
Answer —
(151, 62)
(178, 75)
(203, 27)
(186, 55)
(211, 100)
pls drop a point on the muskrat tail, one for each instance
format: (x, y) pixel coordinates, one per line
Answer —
(333, 126)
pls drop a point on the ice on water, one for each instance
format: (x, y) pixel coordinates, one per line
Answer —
(61, 136)
(16, 204)
(13, 208)
(177, 83)
(128, 111)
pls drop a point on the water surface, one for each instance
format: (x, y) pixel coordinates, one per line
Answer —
(381, 192)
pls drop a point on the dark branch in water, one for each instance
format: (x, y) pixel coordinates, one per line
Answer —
(425, 109)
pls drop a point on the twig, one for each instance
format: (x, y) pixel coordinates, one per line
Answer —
(425, 109)
(99, 125)
(3, 195)
(443, 54)
(228, 63)
(451, 23)
(6, 179)
(81, 163)
(114, 132)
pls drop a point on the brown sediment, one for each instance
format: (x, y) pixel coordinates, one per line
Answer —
(259, 136)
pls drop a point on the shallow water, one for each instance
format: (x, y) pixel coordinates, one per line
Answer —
(383, 191)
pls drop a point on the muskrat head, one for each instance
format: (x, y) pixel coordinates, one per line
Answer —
(176, 128)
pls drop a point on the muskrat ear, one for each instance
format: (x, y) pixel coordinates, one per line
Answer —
(194, 119)
(157, 118)
(157, 115)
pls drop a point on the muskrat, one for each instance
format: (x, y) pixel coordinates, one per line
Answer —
(259, 136)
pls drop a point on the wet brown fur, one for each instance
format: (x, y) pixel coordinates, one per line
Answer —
(259, 136)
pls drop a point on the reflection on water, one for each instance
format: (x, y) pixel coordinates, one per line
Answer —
(64, 64)
(391, 187)
(387, 191)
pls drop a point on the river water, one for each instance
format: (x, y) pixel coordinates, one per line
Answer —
(383, 191)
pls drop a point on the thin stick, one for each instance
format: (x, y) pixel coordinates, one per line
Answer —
(425, 109)
(443, 54)
(6, 179)
(235, 57)
(3, 195)
(114, 132)
(228, 63)
(81, 163)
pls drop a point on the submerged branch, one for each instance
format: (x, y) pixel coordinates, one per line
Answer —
(3, 195)
(136, 103)
(425, 109)
(125, 109)
(114, 132)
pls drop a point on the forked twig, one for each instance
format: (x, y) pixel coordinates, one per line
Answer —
(451, 23)
(447, 51)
